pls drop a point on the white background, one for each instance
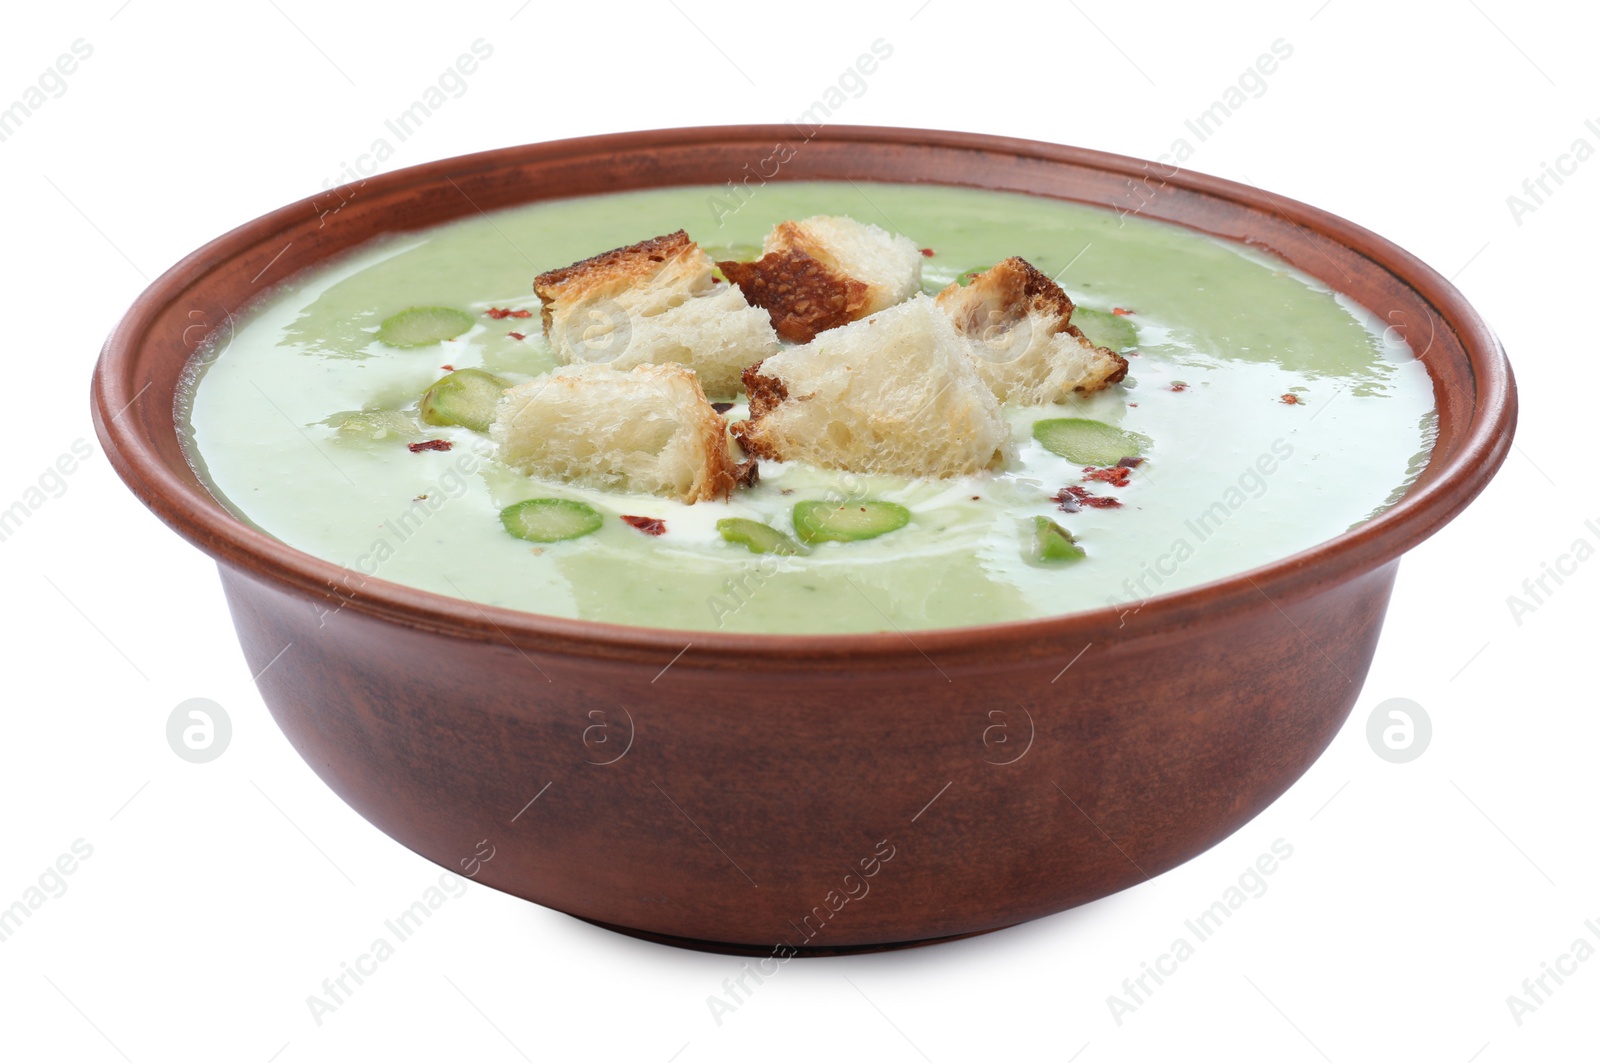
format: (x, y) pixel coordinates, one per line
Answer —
(219, 896)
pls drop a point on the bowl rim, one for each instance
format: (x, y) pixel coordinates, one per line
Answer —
(1434, 499)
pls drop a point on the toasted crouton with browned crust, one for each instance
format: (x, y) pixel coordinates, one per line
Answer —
(894, 393)
(657, 301)
(1018, 326)
(648, 430)
(1007, 292)
(665, 262)
(802, 294)
(827, 271)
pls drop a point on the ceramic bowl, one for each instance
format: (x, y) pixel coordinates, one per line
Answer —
(819, 794)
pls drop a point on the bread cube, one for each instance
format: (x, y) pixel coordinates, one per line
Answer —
(648, 430)
(1017, 326)
(827, 271)
(654, 302)
(893, 393)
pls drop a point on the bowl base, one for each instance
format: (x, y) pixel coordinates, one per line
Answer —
(737, 949)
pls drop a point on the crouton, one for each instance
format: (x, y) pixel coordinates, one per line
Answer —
(827, 271)
(894, 393)
(648, 430)
(654, 302)
(1018, 328)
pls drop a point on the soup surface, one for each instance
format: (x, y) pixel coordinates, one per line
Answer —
(1279, 413)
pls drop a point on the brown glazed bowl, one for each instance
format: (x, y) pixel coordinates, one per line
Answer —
(753, 793)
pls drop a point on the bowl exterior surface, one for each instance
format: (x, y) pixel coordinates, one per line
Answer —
(814, 807)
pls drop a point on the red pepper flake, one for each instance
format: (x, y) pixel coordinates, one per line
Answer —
(1116, 475)
(1178, 385)
(1101, 502)
(448, 368)
(1130, 462)
(429, 444)
(500, 313)
(516, 335)
(1120, 311)
(1133, 405)
(648, 525)
(1073, 498)
(927, 252)
(1291, 399)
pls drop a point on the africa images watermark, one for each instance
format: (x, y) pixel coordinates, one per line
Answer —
(853, 886)
(1537, 190)
(1250, 485)
(50, 885)
(451, 84)
(1537, 590)
(850, 84)
(49, 484)
(1250, 885)
(1537, 990)
(448, 486)
(740, 589)
(337, 989)
(1251, 84)
(199, 730)
(51, 84)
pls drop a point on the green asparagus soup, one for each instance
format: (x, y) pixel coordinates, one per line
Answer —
(1262, 414)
